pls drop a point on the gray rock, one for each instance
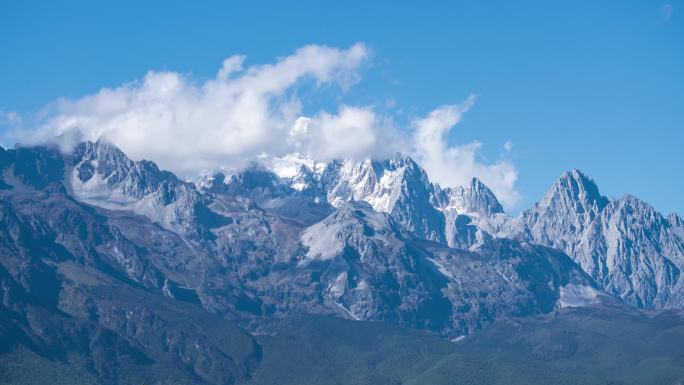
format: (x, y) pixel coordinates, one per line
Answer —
(630, 249)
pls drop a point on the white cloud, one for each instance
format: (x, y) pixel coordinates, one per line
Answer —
(240, 113)
(354, 132)
(456, 165)
(246, 112)
(349, 133)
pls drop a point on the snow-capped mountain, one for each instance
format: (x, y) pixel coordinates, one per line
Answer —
(463, 207)
(101, 174)
(631, 251)
(475, 199)
(91, 241)
(371, 272)
(370, 239)
(396, 186)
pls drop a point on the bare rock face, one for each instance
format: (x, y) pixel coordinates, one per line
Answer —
(475, 199)
(396, 186)
(102, 291)
(676, 224)
(568, 209)
(94, 245)
(463, 207)
(101, 175)
(370, 271)
(255, 245)
(631, 251)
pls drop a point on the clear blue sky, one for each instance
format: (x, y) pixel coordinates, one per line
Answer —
(597, 86)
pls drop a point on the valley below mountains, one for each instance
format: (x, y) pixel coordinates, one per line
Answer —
(294, 271)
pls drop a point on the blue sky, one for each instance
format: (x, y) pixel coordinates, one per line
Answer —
(597, 86)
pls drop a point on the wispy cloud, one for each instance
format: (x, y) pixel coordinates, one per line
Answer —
(10, 119)
(667, 11)
(456, 165)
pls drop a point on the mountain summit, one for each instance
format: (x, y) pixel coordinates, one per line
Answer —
(572, 217)
(97, 246)
(629, 248)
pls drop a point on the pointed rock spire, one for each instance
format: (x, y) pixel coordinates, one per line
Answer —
(576, 191)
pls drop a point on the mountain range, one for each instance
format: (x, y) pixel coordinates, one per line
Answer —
(114, 271)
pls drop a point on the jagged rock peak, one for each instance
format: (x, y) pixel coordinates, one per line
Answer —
(574, 190)
(98, 164)
(677, 225)
(675, 220)
(629, 206)
(473, 199)
(254, 177)
(100, 149)
(350, 223)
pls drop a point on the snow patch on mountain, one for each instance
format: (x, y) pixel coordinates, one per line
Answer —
(289, 166)
(573, 295)
(625, 245)
(628, 248)
(323, 242)
(99, 192)
(327, 239)
(442, 268)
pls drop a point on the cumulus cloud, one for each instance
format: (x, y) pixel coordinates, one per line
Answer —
(456, 165)
(247, 112)
(349, 133)
(354, 132)
(239, 114)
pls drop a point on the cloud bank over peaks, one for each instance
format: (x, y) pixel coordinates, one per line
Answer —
(247, 112)
(456, 165)
(242, 112)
